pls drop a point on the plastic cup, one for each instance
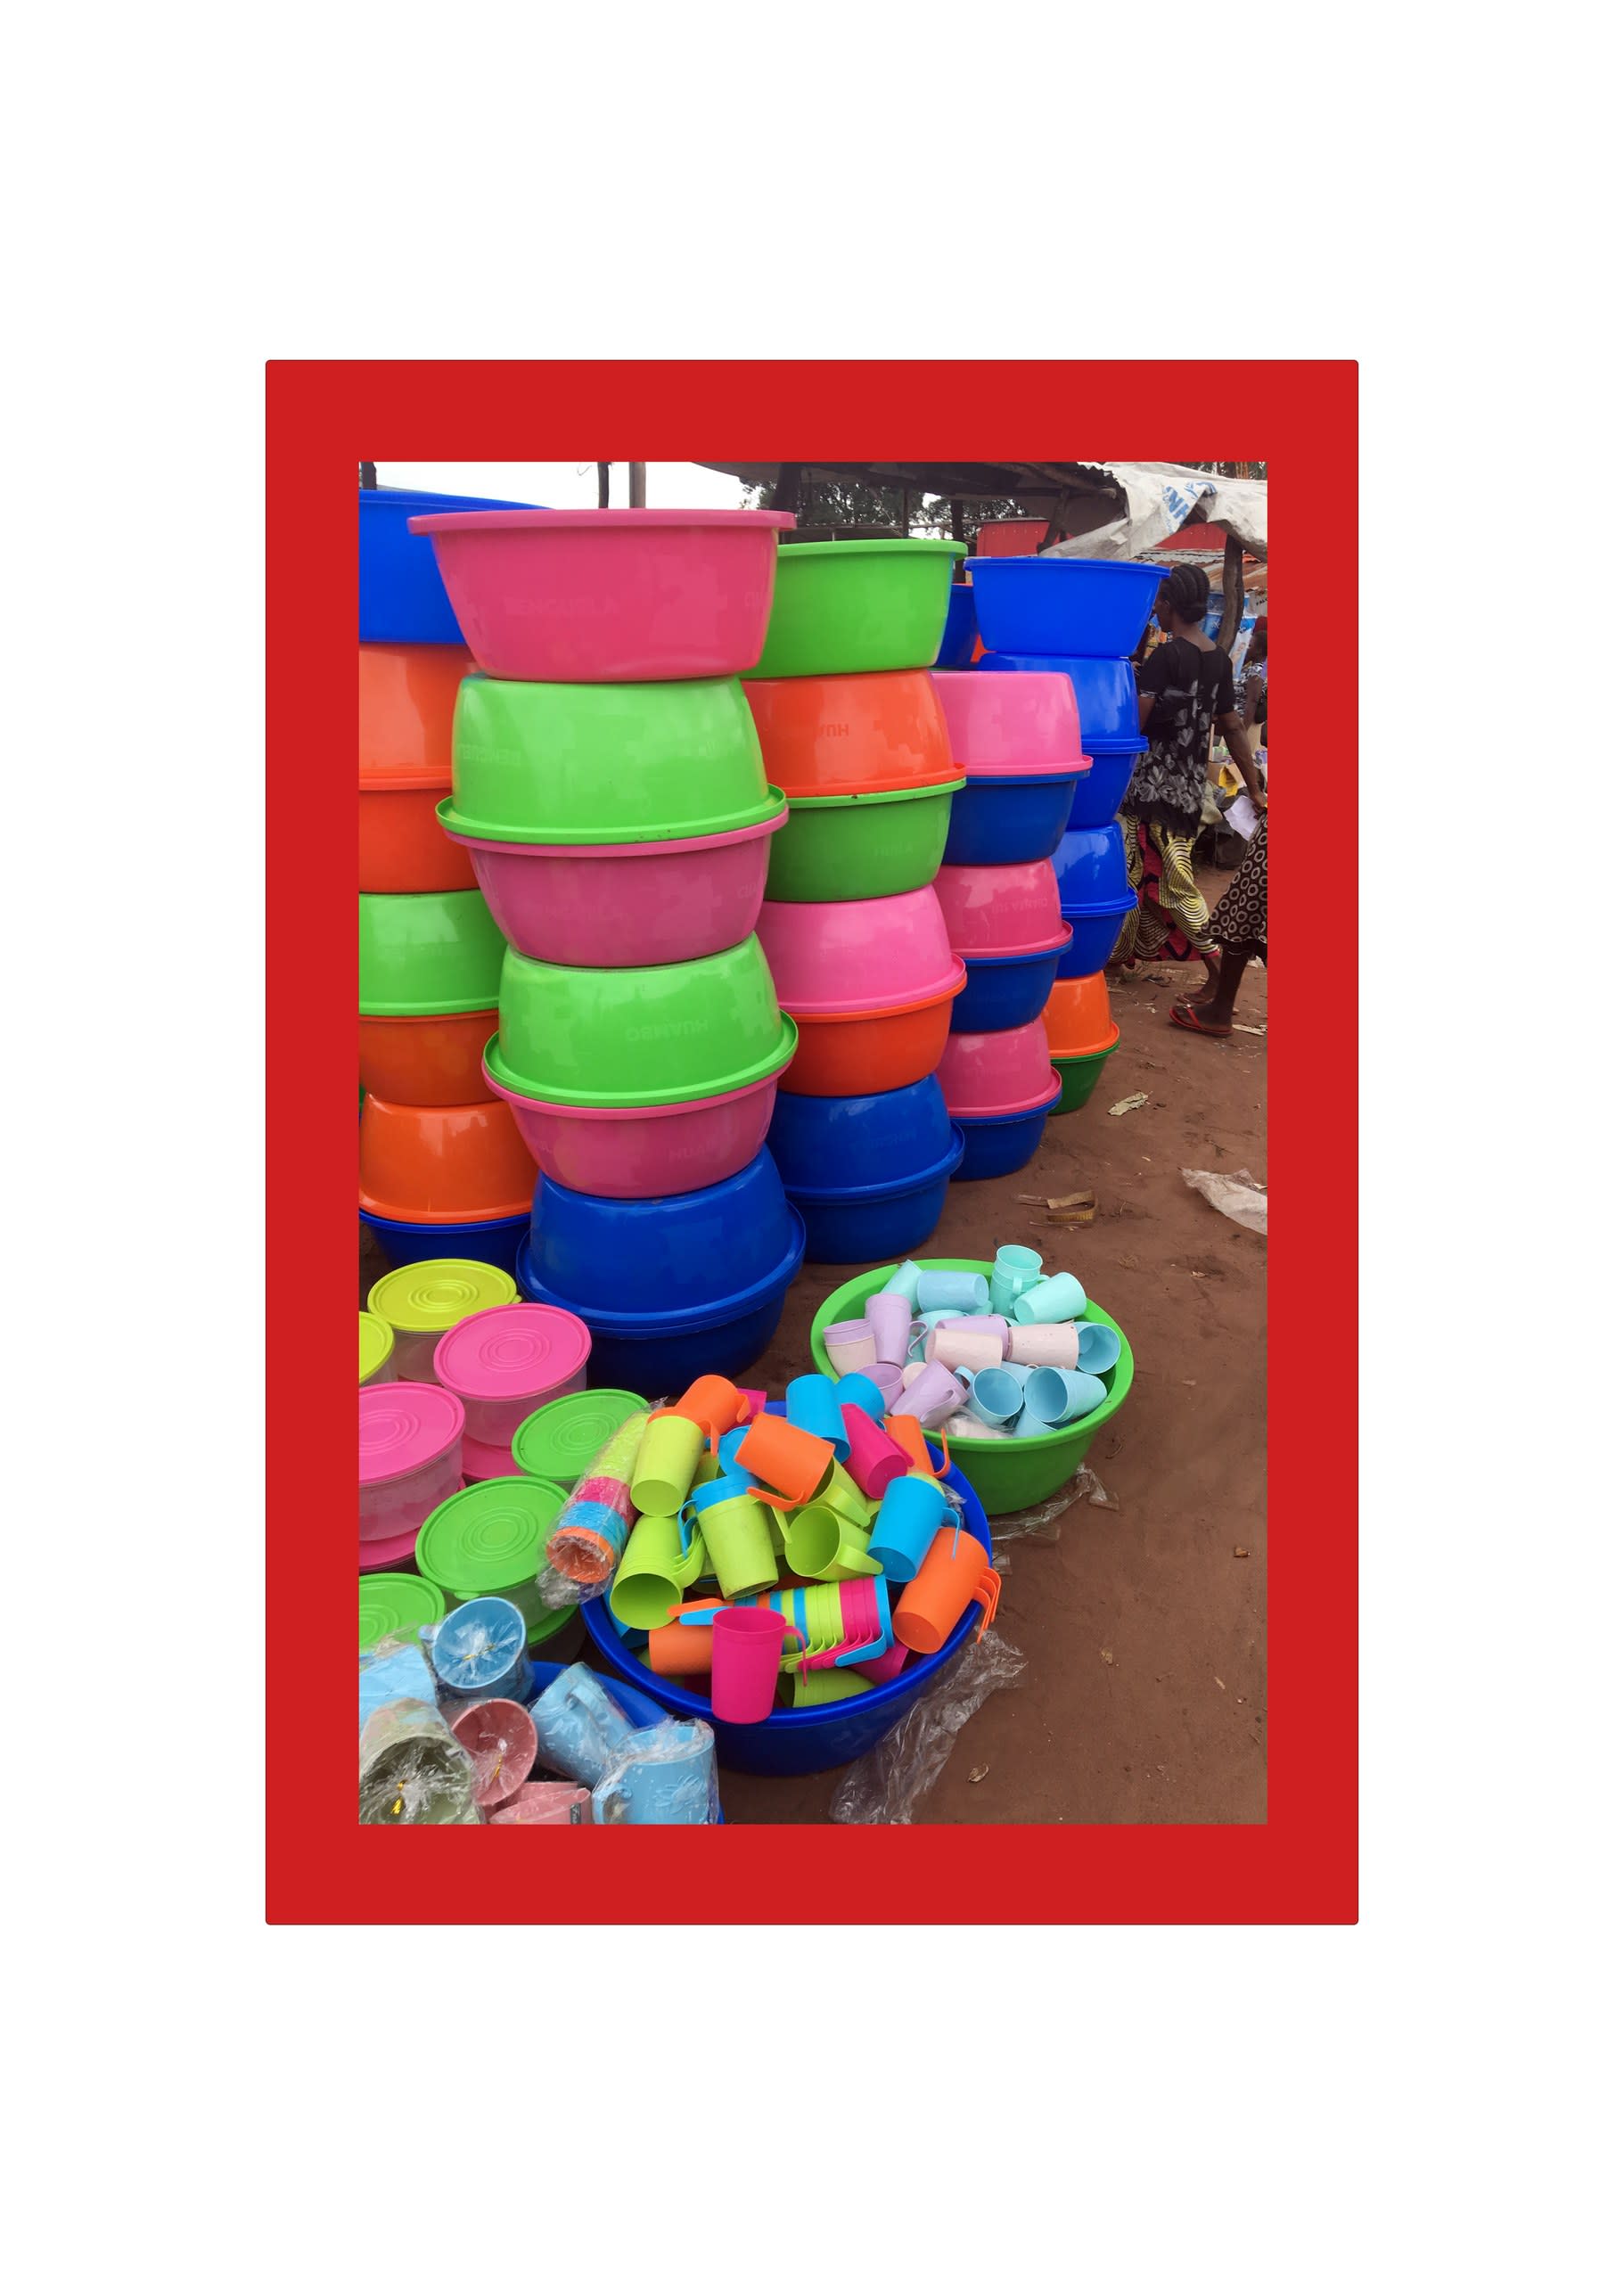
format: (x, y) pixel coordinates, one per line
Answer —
(826, 1544)
(911, 1513)
(565, 1803)
(501, 1741)
(889, 1317)
(875, 1459)
(983, 1326)
(857, 1388)
(879, 1669)
(910, 1372)
(580, 1730)
(906, 1280)
(954, 1573)
(809, 1688)
(908, 1435)
(715, 1406)
(1098, 1346)
(964, 1350)
(747, 1646)
(852, 1346)
(814, 1405)
(954, 1288)
(935, 1395)
(668, 1459)
(841, 1495)
(1037, 1344)
(888, 1379)
(655, 1571)
(996, 1397)
(680, 1651)
(1058, 1397)
(739, 1544)
(1016, 1269)
(791, 1465)
(1056, 1298)
(482, 1651)
(671, 1780)
(1029, 1425)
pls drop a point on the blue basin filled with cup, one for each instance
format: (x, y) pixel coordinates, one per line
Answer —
(958, 635)
(995, 1145)
(1061, 606)
(1100, 789)
(1002, 993)
(1008, 819)
(868, 1173)
(652, 1255)
(1107, 694)
(403, 597)
(405, 1242)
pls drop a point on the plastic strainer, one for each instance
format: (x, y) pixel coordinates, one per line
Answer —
(560, 1442)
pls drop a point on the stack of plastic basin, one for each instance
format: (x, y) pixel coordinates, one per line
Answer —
(1004, 921)
(1081, 1035)
(851, 727)
(608, 790)
(443, 1171)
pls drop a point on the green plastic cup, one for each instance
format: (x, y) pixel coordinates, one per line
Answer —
(394, 1601)
(807, 1688)
(826, 1544)
(559, 1441)
(668, 1459)
(429, 953)
(489, 1540)
(857, 607)
(739, 1542)
(574, 763)
(1078, 1075)
(654, 1571)
(855, 846)
(635, 1037)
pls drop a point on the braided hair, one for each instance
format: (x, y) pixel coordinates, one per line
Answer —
(1189, 592)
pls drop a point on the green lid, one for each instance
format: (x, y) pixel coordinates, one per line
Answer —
(377, 1344)
(857, 607)
(429, 953)
(488, 1537)
(393, 1601)
(560, 1440)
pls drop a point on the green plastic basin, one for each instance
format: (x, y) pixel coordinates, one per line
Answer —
(1078, 1075)
(571, 763)
(429, 953)
(1006, 1476)
(857, 607)
(844, 848)
(635, 1037)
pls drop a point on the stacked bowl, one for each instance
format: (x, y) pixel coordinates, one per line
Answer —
(852, 729)
(608, 790)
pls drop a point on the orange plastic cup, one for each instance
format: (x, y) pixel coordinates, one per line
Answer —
(954, 1573)
(1076, 1019)
(715, 1406)
(790, 1465)
(462, 1162)
(404, 849)
(870, 1054)
(408, 696)
(426, 1061)
(681, 1651)
(827, 733)
(909, 1436)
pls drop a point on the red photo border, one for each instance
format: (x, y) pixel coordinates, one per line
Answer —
(322, 418)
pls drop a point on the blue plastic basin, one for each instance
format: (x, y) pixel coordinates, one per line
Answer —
(1107, 694)
(403, 598)
(1001, 994)
(881, 1222)
(1008, 819)
(405, 1242)
(823, 1734)
(1062, 607)
(958, 635)
(660, 1255)
(1100, 789)
(1092, 867)
(1094, 934)
(994, 1145)
(840, 1141)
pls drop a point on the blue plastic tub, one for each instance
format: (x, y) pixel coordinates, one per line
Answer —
(994, 1145)
(958, 637)
(661, 1353)
(1008, 819)
(660, 1255)
(1062, 607)
(403, 598)
(824, 1735)
(405, 1242)
(1100, 789)
(1107, 694)
(1094, 935)
(1092, 867)
(886, 1221)
(1001, 994)
(827, 1142)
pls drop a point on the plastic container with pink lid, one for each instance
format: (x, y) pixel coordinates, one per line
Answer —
(1011, 725)
(505, 1363)
(1001, 910)
(410, 1460)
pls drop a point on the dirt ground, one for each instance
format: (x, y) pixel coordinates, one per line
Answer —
(1144, 1696)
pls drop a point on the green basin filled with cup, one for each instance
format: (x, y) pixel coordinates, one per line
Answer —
(636, 1037)
(857, 607)
(1007, 1476)
(568, 764)
(848, 847)
(436, 954)
(1078, 1075)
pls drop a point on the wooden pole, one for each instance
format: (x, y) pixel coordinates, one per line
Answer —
(638, 471)
(786, 491)
(603, 483)
(369, 475)
(1235, 591)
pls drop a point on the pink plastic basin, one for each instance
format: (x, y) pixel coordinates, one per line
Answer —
(505, 1362)
(411, 1456)
(851, 958)
(995, 1073)
(647, 904)
(654, 1152)
(1000, 910)
(609, 594)
(1011, 725)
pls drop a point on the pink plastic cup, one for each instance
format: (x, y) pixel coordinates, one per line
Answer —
(547, 1803)
(889, 1317)
(997, 1074)
(875, 1459)
(658, 1152)
(964, 1351)
(503, 1363)
(851, 1347)
(746, 1645)
(411, 1456)
(1041, 1344)
(756, 1397)
(989, 1326)
(1001, 910)
(910, 1372)
(500, 1738)
(648, 903)
(1011, 725)
(879, 1669)
(888, 1377)
(935, 1395)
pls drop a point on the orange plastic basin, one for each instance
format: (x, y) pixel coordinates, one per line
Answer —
(465, 1162)
(1077, 1018)
(404, 850)
(870, 1054)
(408, 696)
(426, 1061)
(823, 734)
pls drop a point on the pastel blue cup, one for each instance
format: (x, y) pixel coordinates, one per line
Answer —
(1058, 1397)
(954, 1291)
(1028, 1424)
(580, 1730)
(1098, 1347)
(906, 1280)
(812, 1403)
(482, 1651)
(863, 1394)
(910, 1514)
(996, 1396)
(1016, 1269)
(1054, 1299)
(666, 1775)
(727, 1458)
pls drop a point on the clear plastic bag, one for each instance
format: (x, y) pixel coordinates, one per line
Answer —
(586, 1541)
(1236, 1195)
(1041, 1524)
(888, 1785)
(413, 1767)
(666, 1775)
(393, 1668)
(580, 1730)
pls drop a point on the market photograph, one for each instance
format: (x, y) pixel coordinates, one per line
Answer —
(813, 1167)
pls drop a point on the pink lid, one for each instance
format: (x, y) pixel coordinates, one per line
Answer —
(997, 1074)
(1012, 725)
(404, 1425)
(1001, 910)
(612, 519)
(855, 958)
(517, 1353)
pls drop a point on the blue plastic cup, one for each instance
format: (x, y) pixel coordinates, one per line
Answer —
(666, 1776)
(954, 1291)
(910, 1514)
(812, 1403)
(906, 1280)
(861, 1392)
(996, 1396)
(580, 1730)
(1028, 1423)
(727, 1458)
(1016, 1269)
(1056, 1299)
(1058, 1397)
(1098, 1347)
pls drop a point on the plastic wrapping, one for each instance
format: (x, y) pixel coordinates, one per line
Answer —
(666, 1775)
(580, 1730)
(586, 1541)
(1237, 1196)
(413, 1768)
(394, 1668)
(1041, 1524)
(888, 1785)
(564, 1803)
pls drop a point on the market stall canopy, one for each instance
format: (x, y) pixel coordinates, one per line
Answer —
(1161, 496)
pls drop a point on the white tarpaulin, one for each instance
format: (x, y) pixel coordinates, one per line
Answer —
(1161, 496)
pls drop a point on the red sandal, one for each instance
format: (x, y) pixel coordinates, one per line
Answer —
(1185, 1016)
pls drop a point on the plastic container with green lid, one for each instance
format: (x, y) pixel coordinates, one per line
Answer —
(377, 1349)
(420, 1303)
(559, 1441)
(489, 1540)
(438, 954)
(858, 605)
(395, 1601)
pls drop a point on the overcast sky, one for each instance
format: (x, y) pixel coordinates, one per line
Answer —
(563, 483)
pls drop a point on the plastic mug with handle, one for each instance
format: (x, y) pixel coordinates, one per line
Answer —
(888, 1378)
(966, 1293)
(824, 1544)
(1037, 1344)
(984, 1326)
(889, 1317)
(875, 1459)
(964, 1350)
(919, 1336)
(580, 1730)
(1056, 1299)
(668, 1461)
(909, 1435)
(668, 1776)
(954, 1573)
(654, 1569)
(678, 1651)
(814, 1405)
(1016, 1269)
(715, 1405)
(906, 1280)
(790, 1464)
(1028, 1423)
(1058, 1397)
(808, 1688)
(851, 1345)
(911, 1513)
(739, 1541)
(1098, 1347)
(935, 1395)
(747, 1647)
(857, 1387)
(996, 1397)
